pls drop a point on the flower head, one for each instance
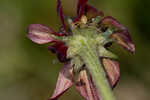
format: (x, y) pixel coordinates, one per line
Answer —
(90, 20)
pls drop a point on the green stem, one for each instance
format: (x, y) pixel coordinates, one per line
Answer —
(90, 57)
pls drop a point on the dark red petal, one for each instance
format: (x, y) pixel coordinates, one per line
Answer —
(64, 81)
(112, 69)
(40, 34)
(92, 12)
(60, 13)
(80, 9)
(60, 49)
(81, 5)
(120, 34)
(86, 87)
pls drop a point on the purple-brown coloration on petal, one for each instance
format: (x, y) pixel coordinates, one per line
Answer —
(86, 87)
(80, 9)
(64, 81)
(120, 33)
(92, 12)
(113, 70)
(84, 84)
(40, 34)
(60, 49)
(124, 41)
(61, 14)
(81, 6)
(88, 10)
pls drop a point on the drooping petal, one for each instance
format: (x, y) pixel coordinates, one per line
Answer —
(61, 50)
(64, 81)
(92, 12)
(86, 87)
(60, 13)
(120, 33)
(124, 41)
(112, 69)
(40, 34)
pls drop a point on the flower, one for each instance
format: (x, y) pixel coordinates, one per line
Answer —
(110, 28)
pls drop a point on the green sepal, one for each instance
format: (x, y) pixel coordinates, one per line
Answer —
(97, 19)
(77, 62)
(107, 33)
(105, 53)
(71, 52)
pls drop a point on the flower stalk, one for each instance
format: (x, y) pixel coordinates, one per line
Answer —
(82, 45)
(95, 68)
(85, 47)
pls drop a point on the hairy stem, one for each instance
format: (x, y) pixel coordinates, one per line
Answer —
(90, 57)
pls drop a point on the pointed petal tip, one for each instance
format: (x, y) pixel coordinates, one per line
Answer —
(64, 81)
(132, 48)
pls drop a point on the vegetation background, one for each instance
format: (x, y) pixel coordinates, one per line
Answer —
(29, 71)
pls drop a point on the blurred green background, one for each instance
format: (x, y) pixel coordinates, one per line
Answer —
(29, 71)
